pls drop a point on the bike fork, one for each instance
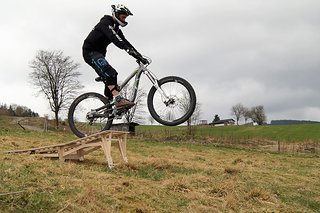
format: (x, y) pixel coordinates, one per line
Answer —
(154, 81)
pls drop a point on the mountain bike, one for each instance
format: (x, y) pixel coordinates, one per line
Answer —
(171, 101)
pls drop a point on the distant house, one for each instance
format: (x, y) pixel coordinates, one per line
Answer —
(225, 122)
(203, 122)
(251, 124)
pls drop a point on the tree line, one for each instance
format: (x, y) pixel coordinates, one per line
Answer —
(17, 110)
(256, 114)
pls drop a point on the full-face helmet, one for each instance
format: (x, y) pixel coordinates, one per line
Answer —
(119, 9)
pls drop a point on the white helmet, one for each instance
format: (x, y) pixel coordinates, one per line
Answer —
(120, 9)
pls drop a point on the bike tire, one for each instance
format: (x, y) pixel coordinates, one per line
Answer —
(77, 115)
(183, 97)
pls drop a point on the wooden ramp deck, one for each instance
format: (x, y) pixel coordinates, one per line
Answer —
(78, 148)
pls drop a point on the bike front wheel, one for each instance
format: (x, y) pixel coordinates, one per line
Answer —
(179, 104)
(89, 114)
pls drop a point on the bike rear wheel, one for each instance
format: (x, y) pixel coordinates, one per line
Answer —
(180, 106)
(88, 114)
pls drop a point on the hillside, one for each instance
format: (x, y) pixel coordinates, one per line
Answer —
(162, 176)
(301, 132)
(288, 122)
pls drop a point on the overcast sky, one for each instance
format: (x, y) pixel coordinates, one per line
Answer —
(254, 52)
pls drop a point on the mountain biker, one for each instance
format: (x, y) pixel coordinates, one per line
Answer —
(94, 50)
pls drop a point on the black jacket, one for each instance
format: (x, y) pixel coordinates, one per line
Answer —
(105, 32)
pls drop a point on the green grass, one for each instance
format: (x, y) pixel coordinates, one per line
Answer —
(301, 132)
(160, 177)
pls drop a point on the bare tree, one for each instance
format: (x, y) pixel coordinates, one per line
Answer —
(56, 77)
(238, 111)
(136, 113)
(196, 115)
(246, 114)
(184, 105)
(193, 119)
(258, 115)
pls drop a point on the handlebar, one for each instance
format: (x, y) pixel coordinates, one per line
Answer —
(141, 58)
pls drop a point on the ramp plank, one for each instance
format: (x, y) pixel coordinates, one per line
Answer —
(78, 148)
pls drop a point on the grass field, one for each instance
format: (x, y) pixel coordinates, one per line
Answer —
(160, 177)
(285, 133)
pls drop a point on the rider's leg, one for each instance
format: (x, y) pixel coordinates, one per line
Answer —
(114, 91)
(106, 72)
(109, 76)
(120, 101)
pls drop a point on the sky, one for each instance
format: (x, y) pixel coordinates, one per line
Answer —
(253, 52)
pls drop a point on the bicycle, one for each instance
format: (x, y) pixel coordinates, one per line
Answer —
(171, 101)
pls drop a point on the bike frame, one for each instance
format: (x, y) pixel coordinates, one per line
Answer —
(86, 119)
(137, 74)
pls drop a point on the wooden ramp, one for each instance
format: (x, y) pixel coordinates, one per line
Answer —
(78, 148)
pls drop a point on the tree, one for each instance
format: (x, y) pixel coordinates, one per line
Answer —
(246, 114)
(17, 110)
(238, 111)
(258, 115)
(11, 111)
(4, 109)
(196, 114)
(56, 77)
(136, 113)
(184, 106)
(216, 118)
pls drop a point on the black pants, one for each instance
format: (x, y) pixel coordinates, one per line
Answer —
(98, 62)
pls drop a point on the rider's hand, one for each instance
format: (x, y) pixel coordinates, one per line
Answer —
(133, 52)
(143, 60)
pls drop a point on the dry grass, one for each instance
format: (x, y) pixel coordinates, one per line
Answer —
(160, 177)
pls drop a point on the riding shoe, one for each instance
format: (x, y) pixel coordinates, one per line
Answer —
(124, 103)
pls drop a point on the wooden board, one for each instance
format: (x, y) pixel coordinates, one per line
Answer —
(78, 148)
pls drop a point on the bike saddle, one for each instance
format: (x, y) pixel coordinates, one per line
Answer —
(99, 79)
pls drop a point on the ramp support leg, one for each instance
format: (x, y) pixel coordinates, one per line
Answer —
(106, 147)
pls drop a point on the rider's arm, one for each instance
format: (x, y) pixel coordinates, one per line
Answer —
(132, 51)
(109, 31)
(124, 39)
